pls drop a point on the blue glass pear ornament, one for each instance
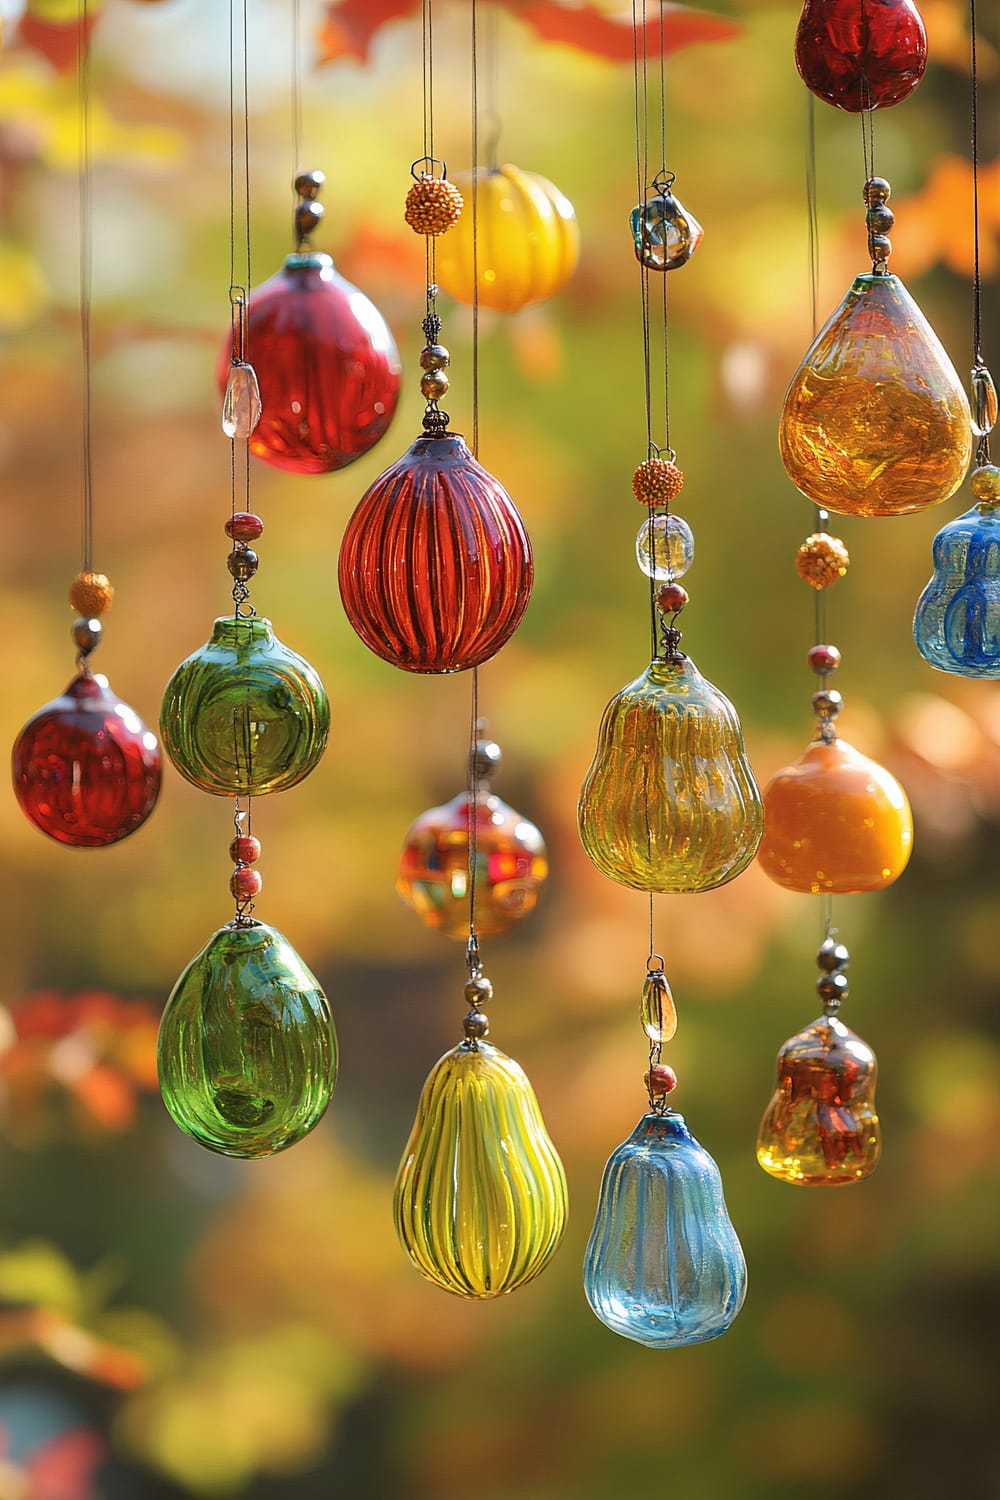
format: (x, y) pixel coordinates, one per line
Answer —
(664, 1266)
(956, 624)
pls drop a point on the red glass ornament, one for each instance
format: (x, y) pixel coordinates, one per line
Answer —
(326, 365)
(435, 565)
(86, 769)
(858, 54)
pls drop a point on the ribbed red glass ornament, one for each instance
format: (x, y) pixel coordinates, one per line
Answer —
(326, 365)
(435, 565)
(861, 53)
(86, 769)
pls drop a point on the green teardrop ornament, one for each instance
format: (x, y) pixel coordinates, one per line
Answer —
(244, 715)
(247, 1052)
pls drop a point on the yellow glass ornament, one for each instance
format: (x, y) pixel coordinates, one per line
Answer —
(670, 803)
(876, 421)
(527, 240)
(480, 1201)
(657, 1010)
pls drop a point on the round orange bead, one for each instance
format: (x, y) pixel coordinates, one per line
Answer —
(822, 560)
(671, 598)
(91, 594)
(245, 883)
(660, 1079)
(433, 205)
(656, 482)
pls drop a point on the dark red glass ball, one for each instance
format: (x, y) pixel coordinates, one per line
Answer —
(86, 769)
(326, 365)
(435, 565)
(861, 53)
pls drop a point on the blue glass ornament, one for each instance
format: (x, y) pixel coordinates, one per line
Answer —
(663, 1265)
(957, 621)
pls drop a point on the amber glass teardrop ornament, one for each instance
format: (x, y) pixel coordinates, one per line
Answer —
(820, 1127)
(86, 770)
(670, 803)
(480, 1202)
(835, 821)
(861, 54)
(657, 1011)
(247, 1053)
(876, 421)
(435, 565)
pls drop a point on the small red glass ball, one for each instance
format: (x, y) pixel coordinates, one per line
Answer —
(859, 54)
(244, 526)
(824, 659)
(671, 598)
(245, 883)
(245, 849)
(660, 1079)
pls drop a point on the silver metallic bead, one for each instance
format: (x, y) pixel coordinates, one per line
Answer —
(476, 1025)
(827, 703)
(86, 635)
(832, 987)
(487, 758)
(832, 955)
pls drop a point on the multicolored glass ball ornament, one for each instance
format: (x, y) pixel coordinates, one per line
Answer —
(247, 1051)
(957, 621)
(435, 564)
(670, 803)
(664, 1266)
(86, 770)
(527, 241)
(861, 54)
(244, 714)
(665, 235)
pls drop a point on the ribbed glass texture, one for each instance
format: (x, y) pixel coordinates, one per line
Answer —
(670, 803)
(664, 1265)
(244, 715)
(480, 1202)
(956, 624)
(435, 565)
(86, 770)
(876, 422)
(326, 365)
(247, 1052)
(859, 54)
(820, 1127)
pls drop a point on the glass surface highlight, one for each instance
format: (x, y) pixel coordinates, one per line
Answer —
(664, 547)
(858, 54)
(956, 624)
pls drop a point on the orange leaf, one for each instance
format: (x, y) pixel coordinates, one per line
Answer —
(611, 36)
(349, 27)
(936, 225)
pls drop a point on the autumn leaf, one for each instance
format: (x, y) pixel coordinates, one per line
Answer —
(592, 30)
(936, 225)
(348, 27)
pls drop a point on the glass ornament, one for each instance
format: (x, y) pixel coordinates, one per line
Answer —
(670, 803)
(956, 624)
(86, 770)
(247, 1052)
(480, 1200)
(875, 421)
(657, 1011)
(244, 714)
(527, 240)
(241, 406)
(664, 233)
(435, 564)
(861, 54)
(835, 821)
(326, 365)
(820, 1127)
(664, 547)
(984, 402)
(664, 1266)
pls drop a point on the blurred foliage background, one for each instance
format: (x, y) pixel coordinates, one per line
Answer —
(176, 1325)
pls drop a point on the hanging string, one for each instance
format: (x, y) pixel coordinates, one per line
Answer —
(296, 61)
(473, 946)
(427, 72)
(86, 228)
(239, 291)
(978, 363)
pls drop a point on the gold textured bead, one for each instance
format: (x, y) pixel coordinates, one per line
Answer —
(91, 594)
(657, 481)
(433, 205)
(985, 484)
(822, 560)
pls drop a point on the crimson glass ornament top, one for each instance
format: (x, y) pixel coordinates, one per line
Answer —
(859, 54)
(86, 769)
(435, 565)
(326, 365)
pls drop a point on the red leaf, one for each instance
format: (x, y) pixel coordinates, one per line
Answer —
(351, 24)
(592, 30)
(59, 41)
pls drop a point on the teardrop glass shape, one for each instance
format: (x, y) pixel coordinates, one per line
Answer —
(247, 1053)
(875, 421)
(664, 1265)
(820, 1127)
(326, 364)
(480, 1201)
(664, 547)
(835, 821)
(86, 770)
(241, 404)
(665, 235)
(984, 402)
(511, 867)
(435, 565)
(670, 803)
(244, 715)
(657, 1011)
(861, 54)
(956, 624)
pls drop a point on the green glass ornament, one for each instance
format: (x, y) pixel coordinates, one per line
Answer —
(244, 715)
(247, 1052)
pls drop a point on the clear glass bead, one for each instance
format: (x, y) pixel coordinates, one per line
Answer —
(241, 406)
(664, 547)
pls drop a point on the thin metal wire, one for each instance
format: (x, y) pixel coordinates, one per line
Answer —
(296, 61)
(977, 285)
(85, 180)
(473, 948)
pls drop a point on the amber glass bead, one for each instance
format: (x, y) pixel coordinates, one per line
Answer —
(820, 1127)
(671, 598)
(835, 821)
(860, 54)
(822, 560)
(657, 1011)
(91, 594)
(984, 402)
(985, 484)
(656, 482)
(433, 205)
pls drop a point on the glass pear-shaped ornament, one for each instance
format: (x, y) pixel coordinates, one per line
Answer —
(435, 564)
(663, 1265)
(820, 1127)
(670, 803)
(876, 421)
(244, 714)
(86, 770)
(480, 1200)
(247, 1052)
(665, 235)
(861, 54)
(956, 624)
